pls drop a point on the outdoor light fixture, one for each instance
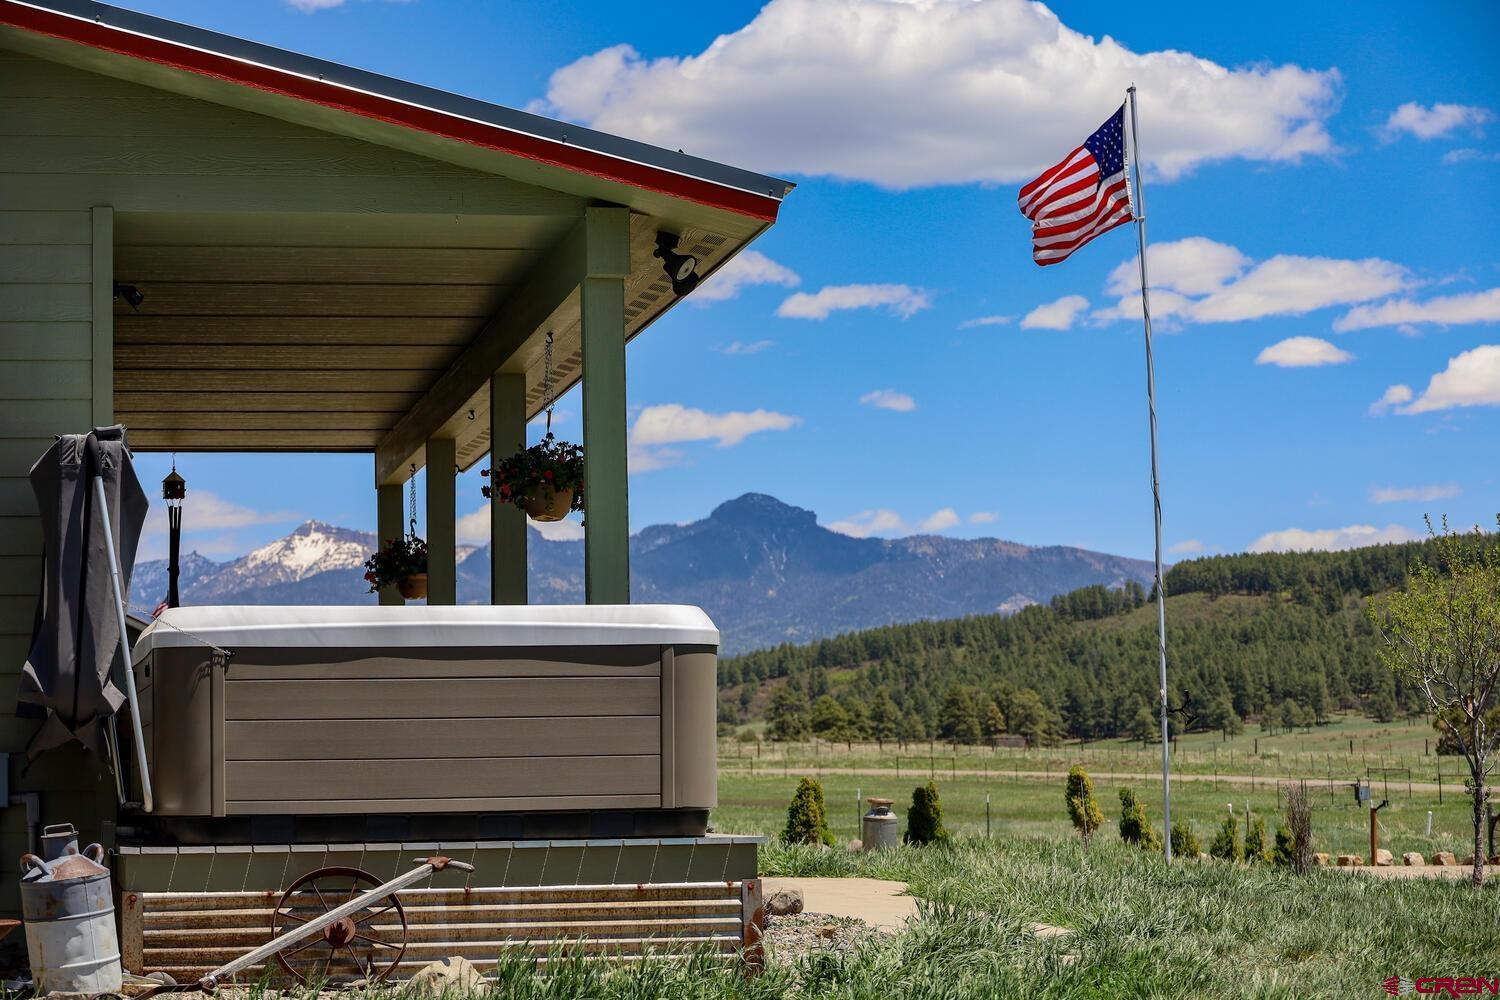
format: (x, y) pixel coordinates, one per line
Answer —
(131, 294)
(681, 268)
(173, 490)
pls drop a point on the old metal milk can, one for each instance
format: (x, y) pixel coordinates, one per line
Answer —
(880, 828)
(69, 910)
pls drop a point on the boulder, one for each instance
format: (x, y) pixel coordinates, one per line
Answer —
(1444, 858)
(453, 976)
(784, 902)
(855, 846)
(1383, 858)
(1412, 858)
(1320, 859)
(1351, 861)
(1468, 861)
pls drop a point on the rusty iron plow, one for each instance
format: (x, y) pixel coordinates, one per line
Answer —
(335, 926)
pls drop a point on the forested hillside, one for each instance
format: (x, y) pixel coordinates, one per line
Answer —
(1279, 637)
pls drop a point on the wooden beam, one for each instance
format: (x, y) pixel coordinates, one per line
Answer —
(442, 523)
(389, 524)
(545, 290)
(507, 521)
(606, 543)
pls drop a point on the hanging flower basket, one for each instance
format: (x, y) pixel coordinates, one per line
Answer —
(402, 563)
(545, 480)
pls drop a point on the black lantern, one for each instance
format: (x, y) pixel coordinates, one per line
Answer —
(173, 489)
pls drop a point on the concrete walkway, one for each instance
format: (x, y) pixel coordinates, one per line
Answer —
(878, 902)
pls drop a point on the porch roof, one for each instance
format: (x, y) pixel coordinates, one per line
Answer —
(336, 260)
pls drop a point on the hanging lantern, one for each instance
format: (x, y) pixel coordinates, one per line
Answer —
(173, 490)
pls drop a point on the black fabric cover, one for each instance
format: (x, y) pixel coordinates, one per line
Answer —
(77, 634)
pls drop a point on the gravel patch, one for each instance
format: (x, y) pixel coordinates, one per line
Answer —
(791, 937)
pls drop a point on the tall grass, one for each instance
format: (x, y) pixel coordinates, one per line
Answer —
(1141, 929)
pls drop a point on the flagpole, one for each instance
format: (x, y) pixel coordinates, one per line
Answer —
(1139, 211)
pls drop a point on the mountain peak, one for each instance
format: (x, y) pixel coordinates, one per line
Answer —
(762, 509)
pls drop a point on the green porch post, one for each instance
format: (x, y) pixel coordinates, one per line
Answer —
(389, 524)
(606, 543)
(507, 521)
(442, 522)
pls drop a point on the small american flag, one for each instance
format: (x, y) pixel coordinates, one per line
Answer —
(1084, 195)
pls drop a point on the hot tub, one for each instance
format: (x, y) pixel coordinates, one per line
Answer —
(475, 714)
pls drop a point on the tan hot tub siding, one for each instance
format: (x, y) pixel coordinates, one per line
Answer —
(352, 731)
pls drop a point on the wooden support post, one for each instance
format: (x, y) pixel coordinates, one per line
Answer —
(606, 545)
(442, 523)
(390, 523)
(507, 521)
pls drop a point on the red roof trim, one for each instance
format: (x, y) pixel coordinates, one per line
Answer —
(374, 106)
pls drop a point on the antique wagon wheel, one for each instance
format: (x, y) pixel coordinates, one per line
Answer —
(355, 939)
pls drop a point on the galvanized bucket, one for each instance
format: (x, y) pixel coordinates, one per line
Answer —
(69, 910)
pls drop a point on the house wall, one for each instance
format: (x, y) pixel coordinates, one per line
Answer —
(79, 151)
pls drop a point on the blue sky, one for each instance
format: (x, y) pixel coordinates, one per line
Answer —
(1320, 189)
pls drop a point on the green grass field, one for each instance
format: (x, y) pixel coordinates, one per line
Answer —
(1025, 785)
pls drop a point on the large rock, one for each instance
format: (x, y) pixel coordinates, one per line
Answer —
(1351, 861)
(784, 902)
(1444, 858)
(1412, 858)
(1320, 859)
(1383, 858)
(454, 976)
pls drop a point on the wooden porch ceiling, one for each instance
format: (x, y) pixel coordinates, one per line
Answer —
(320, 331)
(301, 331)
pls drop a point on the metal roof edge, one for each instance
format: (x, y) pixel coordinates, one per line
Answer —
(425, 109)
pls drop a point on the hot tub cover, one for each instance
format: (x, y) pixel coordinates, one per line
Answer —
(469, 625)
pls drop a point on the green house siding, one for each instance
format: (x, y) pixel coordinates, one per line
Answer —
(80, 152)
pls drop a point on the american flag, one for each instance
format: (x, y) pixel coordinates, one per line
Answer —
(1084, 195)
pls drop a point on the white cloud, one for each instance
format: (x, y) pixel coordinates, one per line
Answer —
(891, 93)
(902, 300)
(983, 517)
(888, 523)
(1193, 266)
(1450, 310)
(1420, 494)
(673, 423)
(474, 528)
(569, 529)
(744, 347)
(1471, 379)
(1189, 546)
(938, 520)
(1200, 280)
(749, 267)
(1302, 352)
(1466, 155)
(1396, 395)
(311, 6)
(1433, 122)
(210, 525)
(889, 399)
(970, 324)
(1059, 315)
(1353, 537)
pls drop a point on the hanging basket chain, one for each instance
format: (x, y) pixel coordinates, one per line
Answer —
(547, 401)
(412, 531)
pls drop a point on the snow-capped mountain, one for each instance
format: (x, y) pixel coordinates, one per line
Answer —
(766, 572)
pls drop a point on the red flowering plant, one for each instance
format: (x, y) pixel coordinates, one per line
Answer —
(398, 559)
(529, 476)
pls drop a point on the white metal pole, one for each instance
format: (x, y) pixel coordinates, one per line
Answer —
(130, 695)
(1138, 209)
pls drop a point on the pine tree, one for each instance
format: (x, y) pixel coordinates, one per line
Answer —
(1184, 841)
(924, 820)
(1082, 809)
(1134, 827)
(1257, 851)
(1226, 843)
(787, 716)
(960, 719)
(806, 816)
(993, 723)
